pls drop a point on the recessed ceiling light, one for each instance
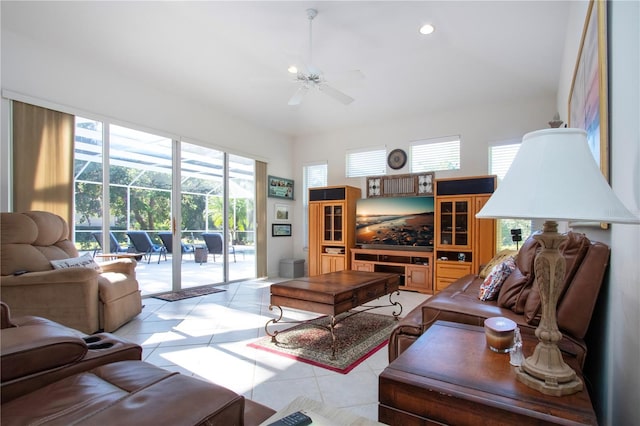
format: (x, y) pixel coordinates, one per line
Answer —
(427, 29)
(292, 69)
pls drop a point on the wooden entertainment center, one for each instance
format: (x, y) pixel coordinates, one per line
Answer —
(414, 267)
(461, 243)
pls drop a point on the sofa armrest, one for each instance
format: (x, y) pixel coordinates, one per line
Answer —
(35, 348)
(66, 296)
(54, 276)
(122, 266)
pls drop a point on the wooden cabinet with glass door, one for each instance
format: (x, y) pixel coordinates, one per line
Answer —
(332, 216)
(463, 243)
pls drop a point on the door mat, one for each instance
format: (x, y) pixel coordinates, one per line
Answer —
(187, 293)
(357, 338)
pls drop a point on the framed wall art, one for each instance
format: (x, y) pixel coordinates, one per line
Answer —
(280, 187)
(588, 97)
(281, 230)
(281, 213)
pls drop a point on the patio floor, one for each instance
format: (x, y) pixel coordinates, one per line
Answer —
(154, 277)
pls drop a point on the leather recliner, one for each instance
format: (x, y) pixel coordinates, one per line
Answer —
(81, 298)
(57, 376)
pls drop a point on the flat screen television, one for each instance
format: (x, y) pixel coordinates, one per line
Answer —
(395, 222)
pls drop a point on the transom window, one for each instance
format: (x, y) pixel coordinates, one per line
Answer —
(430, 155)
(366, 162)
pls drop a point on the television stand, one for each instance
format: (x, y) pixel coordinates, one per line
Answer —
(414, 266)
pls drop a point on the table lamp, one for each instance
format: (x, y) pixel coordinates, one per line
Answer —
(553, 177)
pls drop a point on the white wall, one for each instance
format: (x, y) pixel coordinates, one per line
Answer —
(478, 125)
(615, 375)
(59, 80)
(624, 282)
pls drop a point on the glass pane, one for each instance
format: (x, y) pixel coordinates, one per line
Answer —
(242, 218)
(461, 238)
(88, 174)
(140, 177)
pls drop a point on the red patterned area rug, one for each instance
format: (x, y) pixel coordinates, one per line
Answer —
(357, 338)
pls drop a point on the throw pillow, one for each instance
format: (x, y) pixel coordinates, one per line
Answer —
(490, 287)
(497, 259)
(84, 261)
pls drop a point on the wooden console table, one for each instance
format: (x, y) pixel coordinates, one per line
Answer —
(413, 266)
(449, 376)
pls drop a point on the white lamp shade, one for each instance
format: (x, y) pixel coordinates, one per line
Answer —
(555, 177)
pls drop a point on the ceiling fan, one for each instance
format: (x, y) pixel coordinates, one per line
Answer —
(313, 78)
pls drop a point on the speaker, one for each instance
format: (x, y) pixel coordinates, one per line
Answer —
(322, 194)
(481, 185)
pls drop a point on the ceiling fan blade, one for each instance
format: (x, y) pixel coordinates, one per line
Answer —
(335, 94)
(297, 97)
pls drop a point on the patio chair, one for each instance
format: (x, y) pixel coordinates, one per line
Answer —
(167, 242)
(142, 243)
(215, 245)
(114, 245)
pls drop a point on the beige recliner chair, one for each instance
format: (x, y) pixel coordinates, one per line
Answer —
(82, 298)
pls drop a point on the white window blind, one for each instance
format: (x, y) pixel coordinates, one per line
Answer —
(435, 154)
(366, 163)
(313, 176)
(501, 157)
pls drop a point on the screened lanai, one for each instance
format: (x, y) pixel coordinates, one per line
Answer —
(153, 179)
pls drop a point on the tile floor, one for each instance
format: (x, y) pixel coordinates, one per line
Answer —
(207, 337)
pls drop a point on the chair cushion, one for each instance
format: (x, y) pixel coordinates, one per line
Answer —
(573, 249)
(516, 288)
(131, 392)
(31, 240)
(113, 286)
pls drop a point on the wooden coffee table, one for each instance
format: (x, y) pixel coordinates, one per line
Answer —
(333, 294)
(449, 376)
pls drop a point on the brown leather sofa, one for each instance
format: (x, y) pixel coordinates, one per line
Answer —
(57, 376)
(81, 298)
(519, 298)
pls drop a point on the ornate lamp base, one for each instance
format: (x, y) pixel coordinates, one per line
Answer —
(545, 370)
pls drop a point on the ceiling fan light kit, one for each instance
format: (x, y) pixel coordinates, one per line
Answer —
(312, 77)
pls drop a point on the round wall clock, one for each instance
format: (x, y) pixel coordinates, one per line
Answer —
(397, 159)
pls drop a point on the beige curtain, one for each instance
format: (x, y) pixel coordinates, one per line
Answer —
(42, 160)
(261, 219)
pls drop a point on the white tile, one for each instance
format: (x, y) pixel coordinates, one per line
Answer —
(207, 337)
(277, 394)
(355, 388)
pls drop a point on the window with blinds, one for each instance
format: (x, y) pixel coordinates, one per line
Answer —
(501, 157)
(313, 176)
(366, 162)
(435, 154)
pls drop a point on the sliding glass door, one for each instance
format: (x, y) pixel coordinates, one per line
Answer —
(186, 211)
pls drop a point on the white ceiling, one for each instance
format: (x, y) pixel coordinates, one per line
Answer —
(234, 55)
